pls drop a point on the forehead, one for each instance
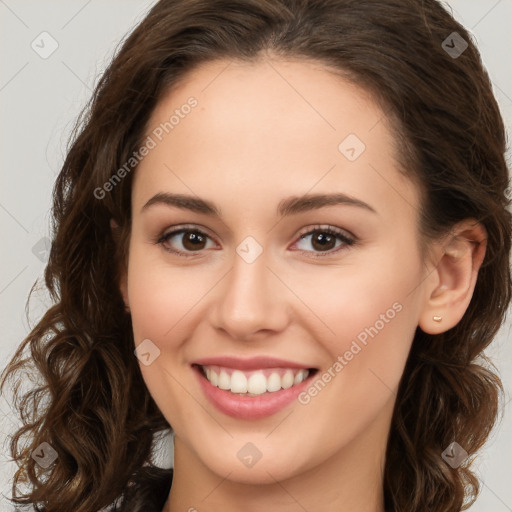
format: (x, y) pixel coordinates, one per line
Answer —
(255, 94)
(271, 127)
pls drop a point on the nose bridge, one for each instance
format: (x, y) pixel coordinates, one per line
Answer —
(251, 298)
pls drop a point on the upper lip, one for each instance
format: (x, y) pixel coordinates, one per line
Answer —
(253, 363)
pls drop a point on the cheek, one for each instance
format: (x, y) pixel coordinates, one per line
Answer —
(370, 317)
(369, 298)
(161, 296)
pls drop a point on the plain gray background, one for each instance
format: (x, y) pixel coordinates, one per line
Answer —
(40, 99)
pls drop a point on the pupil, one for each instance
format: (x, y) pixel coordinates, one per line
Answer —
(195, 239)
(323, 239)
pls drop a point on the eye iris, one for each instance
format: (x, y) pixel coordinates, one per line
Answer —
(195, 239)
(323, 239)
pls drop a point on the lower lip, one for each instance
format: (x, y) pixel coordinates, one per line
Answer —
(249, 407)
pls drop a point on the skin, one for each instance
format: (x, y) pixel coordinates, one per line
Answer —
(261, 132)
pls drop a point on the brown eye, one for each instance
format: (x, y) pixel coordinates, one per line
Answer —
(193, 241)
(184, 240)
(322, 241)
(328, 240)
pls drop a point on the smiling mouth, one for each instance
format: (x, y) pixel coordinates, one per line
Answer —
(254, 382)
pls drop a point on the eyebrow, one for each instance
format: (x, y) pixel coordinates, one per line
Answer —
(289, 206)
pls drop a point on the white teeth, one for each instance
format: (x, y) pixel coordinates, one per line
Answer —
(298, 378)
(287, 380)
(238, 382)
(256, 383)
(224, 380)
(273, 382)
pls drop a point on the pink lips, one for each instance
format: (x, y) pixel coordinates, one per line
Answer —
(249, 407)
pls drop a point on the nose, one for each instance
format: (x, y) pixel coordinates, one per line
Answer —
(250, 301)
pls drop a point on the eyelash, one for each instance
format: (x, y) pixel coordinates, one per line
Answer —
(330, 230)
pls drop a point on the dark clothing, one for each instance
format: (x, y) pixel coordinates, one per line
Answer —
(149, 493)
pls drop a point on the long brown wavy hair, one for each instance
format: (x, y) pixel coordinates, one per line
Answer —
(88, 399)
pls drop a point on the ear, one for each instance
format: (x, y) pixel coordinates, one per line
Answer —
(123, 276)
(450, 286)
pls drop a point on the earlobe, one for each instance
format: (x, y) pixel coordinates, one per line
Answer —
(450, 286)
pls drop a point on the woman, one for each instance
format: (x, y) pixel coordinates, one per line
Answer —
(281, 232)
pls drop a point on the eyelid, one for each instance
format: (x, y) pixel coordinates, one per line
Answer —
(190, 227)
(327, 227)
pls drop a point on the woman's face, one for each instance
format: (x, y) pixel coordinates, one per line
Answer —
(253, 141)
